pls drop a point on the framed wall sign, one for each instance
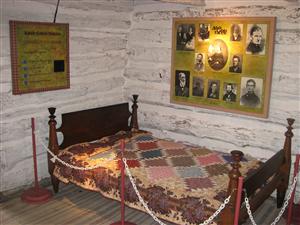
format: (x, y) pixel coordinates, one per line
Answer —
(223, 63)
(39, 56)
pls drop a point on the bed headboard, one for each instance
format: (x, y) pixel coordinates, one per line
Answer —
(92, 124)
(89, 125)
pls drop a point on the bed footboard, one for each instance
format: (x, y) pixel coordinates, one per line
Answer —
(260, 185)
(270, 176)
(89, 125)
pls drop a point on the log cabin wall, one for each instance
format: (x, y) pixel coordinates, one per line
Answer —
(98, 39)
(148, 73)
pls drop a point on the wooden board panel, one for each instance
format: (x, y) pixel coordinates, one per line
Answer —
(92, 124)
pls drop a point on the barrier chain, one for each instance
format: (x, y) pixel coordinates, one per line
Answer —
(222, 206)
(282, 209)
(67, 164)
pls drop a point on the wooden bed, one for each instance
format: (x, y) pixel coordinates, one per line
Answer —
(92, 124)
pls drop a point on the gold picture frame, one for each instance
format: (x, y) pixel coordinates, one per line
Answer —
(223, 63)
(39, 56)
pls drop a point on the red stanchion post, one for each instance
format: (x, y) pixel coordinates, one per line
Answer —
(35, 194)
(122, 222)
(122, 183)
(36, 184)
(290, 210)
(238, 201)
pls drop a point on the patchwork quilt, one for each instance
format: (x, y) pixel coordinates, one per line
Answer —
(181, 183)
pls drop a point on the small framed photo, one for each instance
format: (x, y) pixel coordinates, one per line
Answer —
(203, 33)
(198, 87)
(229, 92)
(236, 65)
(199, 62)
(185, 38)
(213, 91)
(251, 92)
(182, 83)
(236, 32)
(256, 39)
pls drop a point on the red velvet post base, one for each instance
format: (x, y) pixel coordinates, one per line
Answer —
(125, 223)
(36, 195)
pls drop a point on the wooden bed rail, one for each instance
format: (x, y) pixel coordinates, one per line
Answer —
(89, 125)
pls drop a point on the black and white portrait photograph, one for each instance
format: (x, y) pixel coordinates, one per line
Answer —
(251, 92)
(236, 64)
(198, 86)
(256, 39)
(217, 54)
(204, 30)
(213, 89)
(229, 92)
(236, 32)
(182, 83)
(199, 62)
(185, 39)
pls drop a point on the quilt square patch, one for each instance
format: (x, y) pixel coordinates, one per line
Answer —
(200, 151)
(193, 171)
(143, 138)
(146, 145)
(130, 155)
(217, 169)
(175, 152)
(130, 163)
(198, 183)
(155, 162)
(129, 146)
(169, 144)
(161, 172)
(209, 159)
(151, 154)
(182, 161)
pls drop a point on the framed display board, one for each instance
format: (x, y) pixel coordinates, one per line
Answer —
(223, 63)
(39, 56)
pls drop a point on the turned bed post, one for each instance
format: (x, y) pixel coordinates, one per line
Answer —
(227, 215)
(134, 126)
(53, 147)
(286, 166)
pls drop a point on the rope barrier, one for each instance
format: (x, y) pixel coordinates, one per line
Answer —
(206, 222)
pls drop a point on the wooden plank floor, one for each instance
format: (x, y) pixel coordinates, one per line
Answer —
(76, 206)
